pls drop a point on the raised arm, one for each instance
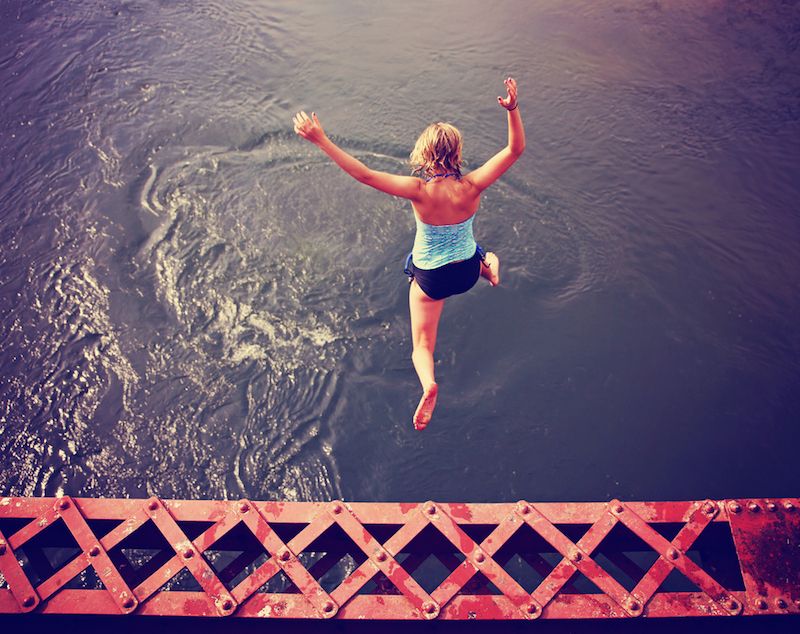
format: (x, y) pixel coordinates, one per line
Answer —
(404, 186)
(492, 169)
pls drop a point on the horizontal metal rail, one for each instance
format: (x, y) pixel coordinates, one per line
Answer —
(399, 561)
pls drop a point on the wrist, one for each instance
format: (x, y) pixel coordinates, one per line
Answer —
(516, 105)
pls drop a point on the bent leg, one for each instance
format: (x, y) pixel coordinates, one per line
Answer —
(490, 268)
(425, 314)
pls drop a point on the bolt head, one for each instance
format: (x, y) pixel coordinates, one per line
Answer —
(480, 558)
(735, 507)
(753, 507)
(772, 507)
(226, 604)
(709, 508)
(733, 604)
(576, 556)
(63, 504)
(337, 509)
(618, 508)
(525, 509)
(188, 553)
(328, 607)
(128, 603)
(672, 553)
(153, 505)
(94, 551)
(285, 555)
(429, 608)
(633, 605)
(532, 608)
(788, 505)
(244, 507)
(781, 603)
(28, 601)
(430, 509)
(2, 547)
(381, 556)
(761, 604)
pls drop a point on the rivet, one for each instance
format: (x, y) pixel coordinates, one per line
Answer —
(480, 557)
(709, 508)
(576, 556)
(772, 507)
(328, 607)
(128, 603)
(788, 505)
(188, 553)
(63, 504)
(618, 508)
(753, 507)
(153, 505)
(734, 507)
(337, 508)
(94, 551)
(285, 555)
(733, 605)
(28, 601)
(780, 603)
(430, 509)
(524, 509)
(429, 608)
(672, 553)
(761, 604)
(227, 604)
(381, 556)
(633, 605)
(244, 507)
(532, 608)
(2, 547)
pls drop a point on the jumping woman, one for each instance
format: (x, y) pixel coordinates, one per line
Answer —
(445, 260)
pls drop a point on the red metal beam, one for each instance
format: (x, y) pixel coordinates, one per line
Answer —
(400, 561)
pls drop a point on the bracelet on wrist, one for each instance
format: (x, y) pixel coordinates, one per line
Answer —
(514, 108)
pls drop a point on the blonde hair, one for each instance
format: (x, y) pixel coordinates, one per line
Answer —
(438, 149)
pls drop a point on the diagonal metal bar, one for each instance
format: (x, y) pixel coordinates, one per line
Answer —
(555, 580)
(285, 559)
(378, 558)
(191, 557)
(477, 559)
(678, 558)
(702, 515)
(26, 597)
(578, 558)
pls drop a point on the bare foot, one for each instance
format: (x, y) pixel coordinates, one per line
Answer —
(491, 269)
(425, 408)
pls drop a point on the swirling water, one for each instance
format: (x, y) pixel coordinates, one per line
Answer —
(196, 303)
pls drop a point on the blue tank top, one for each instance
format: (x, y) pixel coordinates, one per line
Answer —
(437, 245)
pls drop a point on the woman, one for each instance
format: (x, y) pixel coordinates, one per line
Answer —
(446, 260)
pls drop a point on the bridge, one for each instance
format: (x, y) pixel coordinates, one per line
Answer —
(401, 561)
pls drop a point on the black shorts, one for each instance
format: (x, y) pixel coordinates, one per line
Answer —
(447, 280)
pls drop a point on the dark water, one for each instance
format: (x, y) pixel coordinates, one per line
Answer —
(195, 303)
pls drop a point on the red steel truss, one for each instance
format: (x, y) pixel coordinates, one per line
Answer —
(400, 561)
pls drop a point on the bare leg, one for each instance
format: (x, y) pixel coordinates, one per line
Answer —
(425, 314)
(492, 271)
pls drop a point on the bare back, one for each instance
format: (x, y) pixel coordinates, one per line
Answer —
(446, 201)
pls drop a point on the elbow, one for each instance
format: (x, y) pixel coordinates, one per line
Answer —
(517, 150)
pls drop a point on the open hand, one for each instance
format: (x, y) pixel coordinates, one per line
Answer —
(308, 127)
(510, 102)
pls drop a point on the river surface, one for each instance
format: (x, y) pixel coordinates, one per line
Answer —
(194, 302)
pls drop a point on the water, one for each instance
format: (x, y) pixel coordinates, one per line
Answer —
(196, 303)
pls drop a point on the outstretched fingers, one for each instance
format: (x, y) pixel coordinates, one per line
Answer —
(510, 101)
